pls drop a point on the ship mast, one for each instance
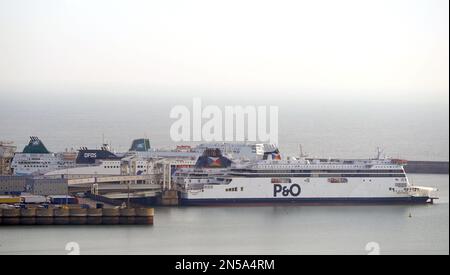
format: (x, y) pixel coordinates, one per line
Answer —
(302, 154)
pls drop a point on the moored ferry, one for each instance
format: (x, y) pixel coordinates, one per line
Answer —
(35, 159)
(234, 150)
(301, 181)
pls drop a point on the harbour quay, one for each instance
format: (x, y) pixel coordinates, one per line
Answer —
(10, 216)
(205, 174)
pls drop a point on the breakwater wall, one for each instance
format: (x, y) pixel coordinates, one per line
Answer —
(427, 167)
(76, 216)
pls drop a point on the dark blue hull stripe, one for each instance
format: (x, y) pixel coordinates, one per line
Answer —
(387, 200)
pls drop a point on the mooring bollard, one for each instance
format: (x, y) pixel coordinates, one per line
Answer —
(44, 216)
(11, 216)
(144, 216)
(28, 216)
(110, 216)
(127, 216)
(78, 216)
(61, 216)
(94, 216)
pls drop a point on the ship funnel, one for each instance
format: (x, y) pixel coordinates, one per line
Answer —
(140, 145)
(213, 158)
(35, 146)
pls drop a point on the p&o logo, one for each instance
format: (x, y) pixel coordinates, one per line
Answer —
(293, 190)
(90, 155)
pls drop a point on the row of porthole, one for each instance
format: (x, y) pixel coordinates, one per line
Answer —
(31, 162)
(199, 181)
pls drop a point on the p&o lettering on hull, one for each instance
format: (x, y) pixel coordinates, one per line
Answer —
(293, 190)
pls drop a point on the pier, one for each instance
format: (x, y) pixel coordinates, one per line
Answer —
(76, 216)
(154, 188)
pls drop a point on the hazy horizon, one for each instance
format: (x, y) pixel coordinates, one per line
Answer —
(326, 49)
(347, 75)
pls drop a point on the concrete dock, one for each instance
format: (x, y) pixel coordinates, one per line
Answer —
(76, 216)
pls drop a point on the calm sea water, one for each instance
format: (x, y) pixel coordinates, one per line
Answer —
(257, 230)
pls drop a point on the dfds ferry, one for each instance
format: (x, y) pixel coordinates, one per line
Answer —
(300, 181)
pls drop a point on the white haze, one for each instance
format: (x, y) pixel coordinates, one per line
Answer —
(348, 75)
(325, 48)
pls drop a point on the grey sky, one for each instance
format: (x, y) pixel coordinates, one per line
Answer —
(348, 47)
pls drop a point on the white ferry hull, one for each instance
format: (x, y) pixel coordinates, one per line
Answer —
(316, 191)
(305, 201)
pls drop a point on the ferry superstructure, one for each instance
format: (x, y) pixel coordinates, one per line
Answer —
(242, 151)
(236, 151)
(111, 167)
(302, 181)
(36, 160)
(102, 162)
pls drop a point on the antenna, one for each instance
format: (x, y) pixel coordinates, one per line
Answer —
(379, 152)
(302, 154)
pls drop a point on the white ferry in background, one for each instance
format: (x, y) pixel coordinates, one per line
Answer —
(141, 148)
(95, 162)
(37, 160)
(242, 151)
(236, 151)
(298, 181)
